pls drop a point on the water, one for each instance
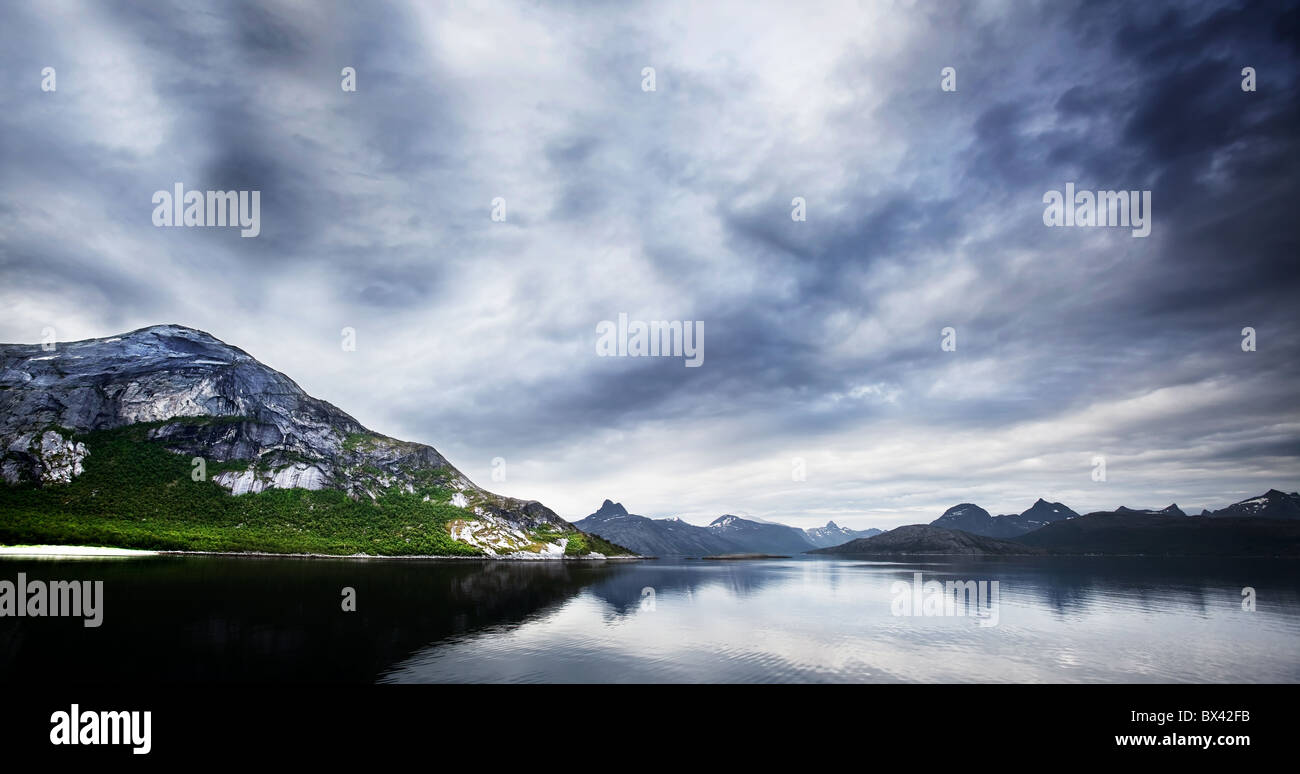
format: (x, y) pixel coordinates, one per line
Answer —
(795, 620)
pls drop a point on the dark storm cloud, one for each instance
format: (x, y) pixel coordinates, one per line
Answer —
(1222, 163)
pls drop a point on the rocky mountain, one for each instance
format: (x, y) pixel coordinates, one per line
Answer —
(1273, 504)
(725, 535)
(967, 517)
(761, 537)
(1043, 512)
(834, 535)
(971, 518)
(927, 539)
(246, 429)
(654, 537)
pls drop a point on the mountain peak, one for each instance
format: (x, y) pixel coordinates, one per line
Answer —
(727, 519)
(1273, 504)
(1169, 510)
(151, 339)
(170, 329)
(1045, 511)
(832, 525)
(150, 334)
(611, 508)
(965, 508)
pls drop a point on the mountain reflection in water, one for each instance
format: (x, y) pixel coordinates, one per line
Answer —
(677, 620)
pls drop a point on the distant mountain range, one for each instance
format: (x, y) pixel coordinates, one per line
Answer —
(968, 517)
(971, 518)
(1268, 525)
(726, 534)
(1264, 525)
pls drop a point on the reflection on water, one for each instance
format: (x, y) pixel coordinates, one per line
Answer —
(1059, 620)
(269, 619)
(802, 619)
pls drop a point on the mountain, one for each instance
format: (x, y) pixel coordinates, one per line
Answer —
(726, 535)
(927, 539)
(967, 517)
(1157, 534)
(1043, 512)
(166, 437)
(761, 536)
(1268, 525)
(1169, 510)
(655, 537)
(971, 518)
(834, 535)
(1273, 504)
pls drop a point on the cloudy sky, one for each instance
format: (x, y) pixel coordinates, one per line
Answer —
(822, 337)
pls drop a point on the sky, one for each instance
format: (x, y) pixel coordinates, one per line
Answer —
(825, 391)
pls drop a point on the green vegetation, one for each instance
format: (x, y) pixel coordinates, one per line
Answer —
(576, 546)
(546, 534)
(580, 543)
(203, 421)
(583, 543)
(136, 494)
(360, 441)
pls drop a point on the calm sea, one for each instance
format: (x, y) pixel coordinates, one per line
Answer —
(670, 620)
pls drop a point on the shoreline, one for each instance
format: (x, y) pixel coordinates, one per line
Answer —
(72, 552)
(38, 551)
(108, 552)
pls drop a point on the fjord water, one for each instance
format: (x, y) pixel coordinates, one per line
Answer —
(194, 618)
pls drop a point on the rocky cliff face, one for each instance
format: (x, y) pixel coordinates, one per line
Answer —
(204, 398)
